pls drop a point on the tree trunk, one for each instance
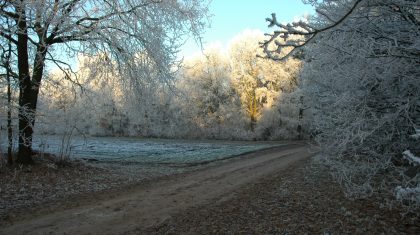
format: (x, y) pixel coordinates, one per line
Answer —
(9, 109)
(253, 123)
(26, 121)
(299, 127)
(28, 92)
(28, 103)
(253, 111)
(25, 130)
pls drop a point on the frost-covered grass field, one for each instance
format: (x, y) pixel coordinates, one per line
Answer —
(139, 158)
(122, 150)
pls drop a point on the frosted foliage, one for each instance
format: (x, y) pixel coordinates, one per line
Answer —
(413, 159)
(65, 108)
(208, 99)
(259, 82)
(118, 30)
(365, 92)
(408, 194)
(416, 136)
(411, 193)
(229, 95)
(361, 80)
(282, 120)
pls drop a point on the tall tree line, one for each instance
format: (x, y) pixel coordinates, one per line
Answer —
(219, 94)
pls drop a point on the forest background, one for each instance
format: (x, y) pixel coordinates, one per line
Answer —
(346, 77)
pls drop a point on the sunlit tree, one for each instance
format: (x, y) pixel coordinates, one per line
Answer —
(259, 81)
(206, 87)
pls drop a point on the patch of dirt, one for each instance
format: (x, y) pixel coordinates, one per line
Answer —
(304, 199)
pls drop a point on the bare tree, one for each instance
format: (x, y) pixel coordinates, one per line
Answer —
(44, 29)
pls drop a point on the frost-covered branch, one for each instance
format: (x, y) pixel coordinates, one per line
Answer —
(416, 136)
(410, 157)
(305, 30)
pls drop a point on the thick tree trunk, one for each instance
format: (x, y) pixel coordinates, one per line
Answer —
(26, 120)
(25, 140)
(25, 130)
(29, 90)
(27, 112)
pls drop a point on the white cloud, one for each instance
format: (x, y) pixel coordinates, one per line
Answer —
(303, 17)
(223, 46)
(247, 33)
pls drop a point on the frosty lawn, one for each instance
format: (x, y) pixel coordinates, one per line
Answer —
(146, 151)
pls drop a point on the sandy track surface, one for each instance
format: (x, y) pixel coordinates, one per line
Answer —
(149, 205)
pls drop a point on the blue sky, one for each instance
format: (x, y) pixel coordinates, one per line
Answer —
(231, 17)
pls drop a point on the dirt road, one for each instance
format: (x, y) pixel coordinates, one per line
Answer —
(149, 205)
